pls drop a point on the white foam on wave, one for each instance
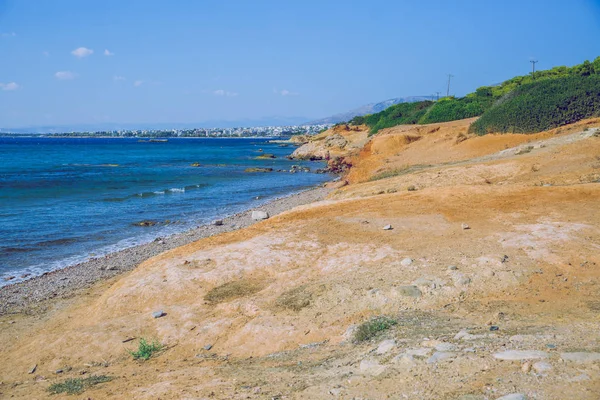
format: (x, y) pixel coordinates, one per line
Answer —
(177, 190)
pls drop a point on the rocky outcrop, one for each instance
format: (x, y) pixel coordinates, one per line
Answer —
(258, 169)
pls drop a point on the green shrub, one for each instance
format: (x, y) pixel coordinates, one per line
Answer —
(371, 328)
(146, 349)
(78, 385)
(543, 105)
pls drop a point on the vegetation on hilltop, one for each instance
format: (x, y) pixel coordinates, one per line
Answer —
(489, 97)
(543, 105)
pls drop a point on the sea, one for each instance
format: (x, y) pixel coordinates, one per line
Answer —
(65, 200)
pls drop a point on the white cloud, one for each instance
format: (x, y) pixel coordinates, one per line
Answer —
(138, 83)
(9, 86)
(81, 52)
(118, 78)
(221, 92)
(285, 92)
(108, 53)
(8, 34)
(65, 75)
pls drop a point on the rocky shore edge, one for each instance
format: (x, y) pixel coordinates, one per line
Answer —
(33, 295)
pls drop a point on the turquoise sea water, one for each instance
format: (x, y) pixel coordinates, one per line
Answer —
(63, 200)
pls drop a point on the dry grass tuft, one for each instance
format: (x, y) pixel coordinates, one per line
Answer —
(233, 290)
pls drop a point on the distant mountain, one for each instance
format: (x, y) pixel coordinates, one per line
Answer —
(116, 126)
(367, 109)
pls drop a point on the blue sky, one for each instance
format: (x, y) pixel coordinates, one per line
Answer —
(192, 61)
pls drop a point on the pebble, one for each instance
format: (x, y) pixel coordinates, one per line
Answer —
(494, 328)
(259, 215)
(406, 262)
(452, 268)
(207, 347)
(387, 228)
(158, 314)
(520, 355)
(217, 222)
(32, 370)
(581, 357)
(465, 226)
(385, 346)
(526, 367)
(513, 396)
(440, 356)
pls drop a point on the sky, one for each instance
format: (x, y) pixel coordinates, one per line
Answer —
(185, 61)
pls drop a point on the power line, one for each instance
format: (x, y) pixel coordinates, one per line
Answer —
(450, 76)
(533, 62)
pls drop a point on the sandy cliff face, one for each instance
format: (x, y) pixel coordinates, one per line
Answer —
(491, 271)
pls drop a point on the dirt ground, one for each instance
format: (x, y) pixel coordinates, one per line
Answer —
(490, 270)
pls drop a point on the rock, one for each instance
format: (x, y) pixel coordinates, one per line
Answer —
(581, 357)
(217, 222)
(445, 346)
(9, 278)
(259, 215)
(513, 396)
(158, 314)
(265, 156)
(32, 370)
(371, 367)
(411, 188)
(472, 397)
(145, 223)
(494, 328)
(406, 262)
(579, 378)
(542, 367)
(336, 392)
(461, 279)
(385, 346)
(452, 268)
(465, 226)
(336, 140)
(409, 291)
(422, 352)
(387, 228)
(520, 355)
(207, 347)
(404, 360)
(258, 169)
(58, 371)
(336, 185)
(440, 356)
(526, 367)
(196, 164)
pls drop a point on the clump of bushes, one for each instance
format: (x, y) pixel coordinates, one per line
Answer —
(146, 349)
(483, 99)
(543, 105)
(371, 328)
(78, 385)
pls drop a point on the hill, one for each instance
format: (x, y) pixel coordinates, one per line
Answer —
(370, 108)
(577, 83)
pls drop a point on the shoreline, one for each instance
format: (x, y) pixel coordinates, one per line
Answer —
(30, 296)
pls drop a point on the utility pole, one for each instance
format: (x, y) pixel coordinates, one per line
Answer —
(438, 95)
(533, 62)
(450, 76)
